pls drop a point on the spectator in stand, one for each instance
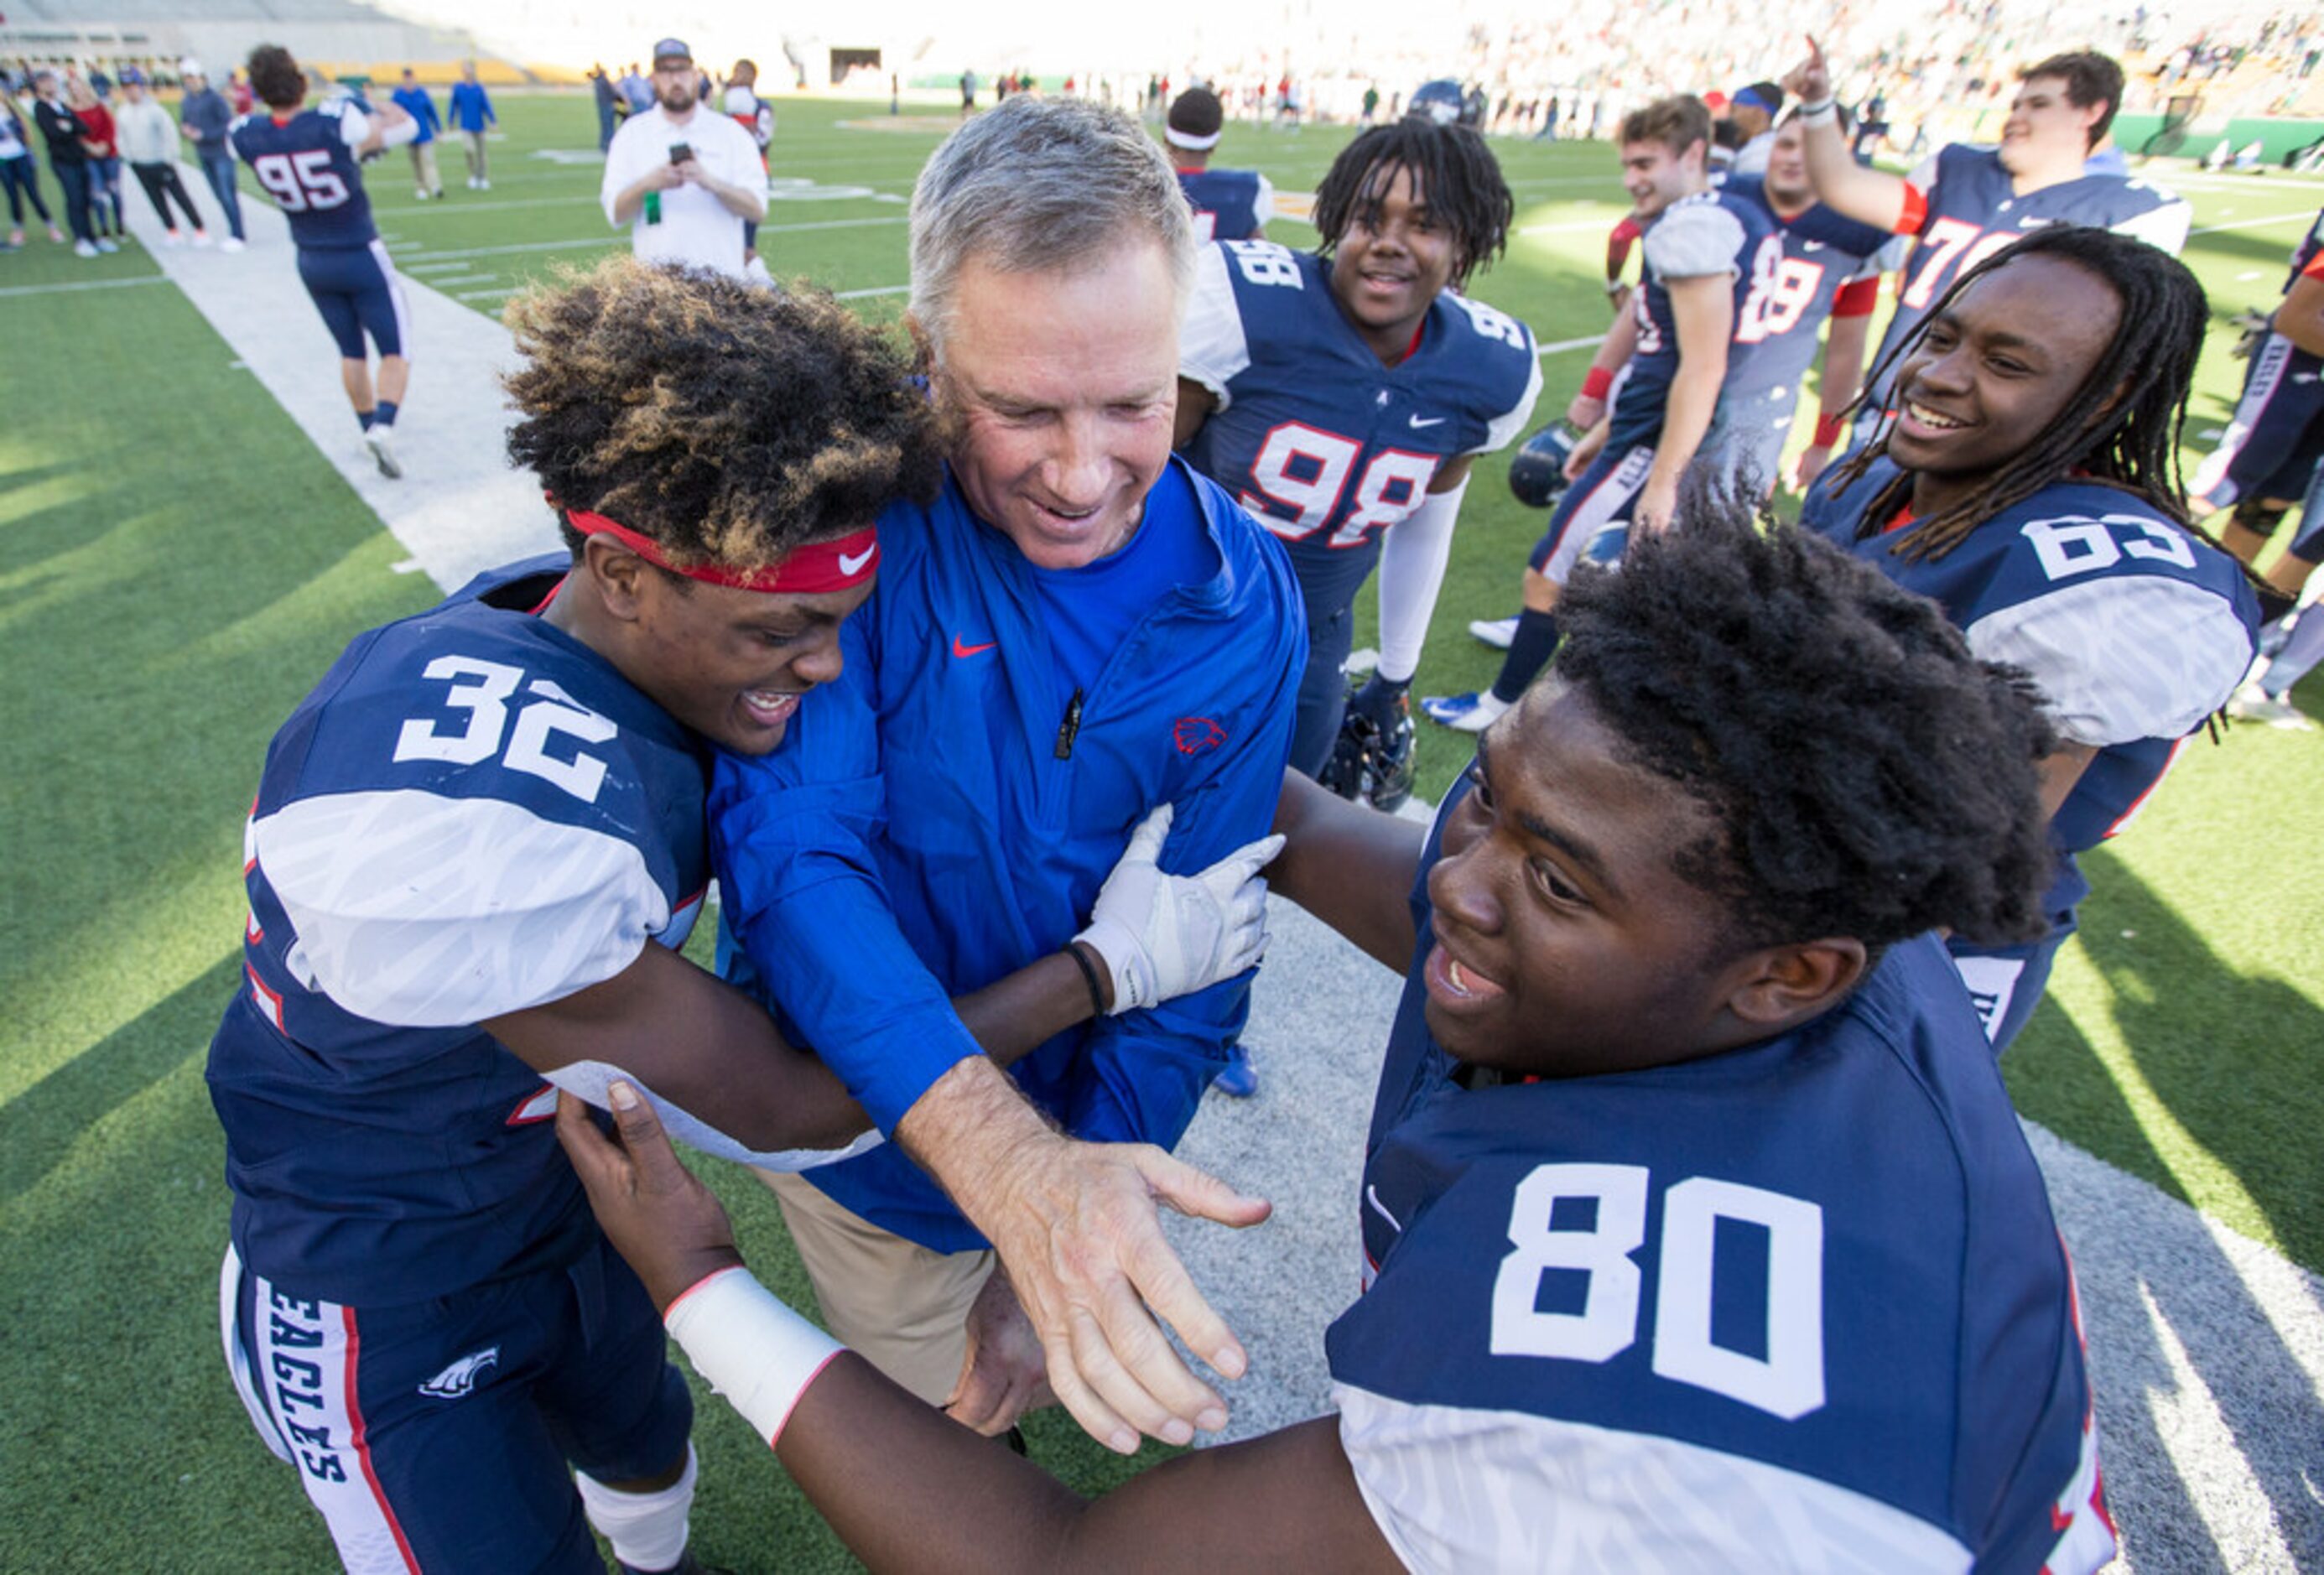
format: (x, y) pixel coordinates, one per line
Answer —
(67, 159)
(205, 115)
(20, 172)
(97, 139)
(683, 179)
(415, 101)
(602, 86)
(472, 113)
(149, 141)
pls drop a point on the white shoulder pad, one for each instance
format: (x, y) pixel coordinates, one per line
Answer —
(1211, 348)
(2163, 226)
(2122, 657)
(1454, 1490)
(424, 911)
(1503, 429)
(1693, 240)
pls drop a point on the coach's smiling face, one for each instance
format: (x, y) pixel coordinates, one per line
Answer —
(1060, 387)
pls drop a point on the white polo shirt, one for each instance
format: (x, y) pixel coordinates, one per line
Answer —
(695, 228)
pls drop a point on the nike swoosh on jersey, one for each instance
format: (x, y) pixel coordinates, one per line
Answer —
(961, 649)
(1418, 422)
(849, 568)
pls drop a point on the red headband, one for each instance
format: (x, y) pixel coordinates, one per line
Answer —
(814, 569)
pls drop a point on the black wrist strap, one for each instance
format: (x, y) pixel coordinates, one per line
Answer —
(1089, 976)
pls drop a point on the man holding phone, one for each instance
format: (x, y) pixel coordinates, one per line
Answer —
(683, 177)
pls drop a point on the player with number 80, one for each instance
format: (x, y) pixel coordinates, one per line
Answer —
(1699, 1232)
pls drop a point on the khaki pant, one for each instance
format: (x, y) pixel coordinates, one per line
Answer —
(903, 1308)
(474, 142)
(423, 169)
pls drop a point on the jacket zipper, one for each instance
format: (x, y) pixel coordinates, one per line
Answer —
(1070, 728)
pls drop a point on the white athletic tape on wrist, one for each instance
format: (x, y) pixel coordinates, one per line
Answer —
(1825, 112)
(754, 1350)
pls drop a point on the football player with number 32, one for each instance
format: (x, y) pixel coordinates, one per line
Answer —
(1697, 1230)
(306, 159)
(1343, 394)
(473, 854)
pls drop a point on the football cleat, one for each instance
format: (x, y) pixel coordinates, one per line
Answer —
(1497, 632)
(1465, 712)
(1371, 760)
(383, 451)
(2251, 703)
(1537, 469)
(1236, 1079)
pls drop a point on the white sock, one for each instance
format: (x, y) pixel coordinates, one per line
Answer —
(646, 1530)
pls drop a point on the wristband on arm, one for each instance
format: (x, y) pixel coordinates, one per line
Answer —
(1596, 382)
(1827, 428)
(752, 1348)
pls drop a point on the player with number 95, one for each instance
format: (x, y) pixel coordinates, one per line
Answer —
(307, 160)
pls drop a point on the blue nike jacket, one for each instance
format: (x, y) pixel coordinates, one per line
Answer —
(944, 813)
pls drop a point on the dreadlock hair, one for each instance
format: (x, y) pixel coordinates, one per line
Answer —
(2122, 427)
(1454, 172)
(275, 77)
(730, 424)
(1866, 775)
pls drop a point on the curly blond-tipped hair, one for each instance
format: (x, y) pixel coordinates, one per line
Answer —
(729, 423)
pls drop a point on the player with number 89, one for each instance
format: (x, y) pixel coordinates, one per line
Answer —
(306, 159)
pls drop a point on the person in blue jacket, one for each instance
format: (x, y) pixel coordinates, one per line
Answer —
(414, 101)
(472, 112)
(1080, 632)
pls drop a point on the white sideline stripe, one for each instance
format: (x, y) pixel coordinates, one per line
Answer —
(2202, 1447)
(2308, 214)
(861, 294)
(459, 509)
(618, 237)
(1559, 346)
(83, 284)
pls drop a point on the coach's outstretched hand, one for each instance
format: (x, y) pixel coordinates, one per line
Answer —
(668, 1226)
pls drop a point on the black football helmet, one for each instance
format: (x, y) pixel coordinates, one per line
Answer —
(1370, 763)
(1537, 469)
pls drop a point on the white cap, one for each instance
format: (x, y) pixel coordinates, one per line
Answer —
(190, 67)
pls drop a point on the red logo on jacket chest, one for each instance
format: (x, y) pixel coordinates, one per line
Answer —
(1194, 734)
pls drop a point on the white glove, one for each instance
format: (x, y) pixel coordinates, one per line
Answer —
(1164, 935)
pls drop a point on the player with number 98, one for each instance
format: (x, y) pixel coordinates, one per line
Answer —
(1699, 1232)
(473, 854)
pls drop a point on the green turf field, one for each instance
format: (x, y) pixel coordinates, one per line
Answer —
(187, 558)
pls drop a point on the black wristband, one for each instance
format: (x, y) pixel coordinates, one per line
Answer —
(1089, 976)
